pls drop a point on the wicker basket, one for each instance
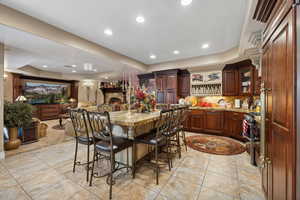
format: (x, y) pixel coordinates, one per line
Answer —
(43, 130)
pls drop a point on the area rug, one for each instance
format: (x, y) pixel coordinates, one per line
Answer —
(215, 145)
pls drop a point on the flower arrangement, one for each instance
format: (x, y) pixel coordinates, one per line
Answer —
(144, 102)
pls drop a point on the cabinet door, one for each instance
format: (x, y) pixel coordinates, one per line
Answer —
(214, 121)
(160, 96)
(187, 122)
(197, 120)
(227, 124)
(229, 80)
(237, 125)
(160, 83)
(171, 82)
(184, 86)
(170, 97)
(282, 131)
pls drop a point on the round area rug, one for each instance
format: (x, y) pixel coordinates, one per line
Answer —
(215, 145)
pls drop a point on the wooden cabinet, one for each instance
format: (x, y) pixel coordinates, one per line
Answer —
(214, 121)
(239, 79)
(233, 124)
(169, 84)
(197, 120)
(184, 84)
(278, 75)
(224, 123)
(47, 111)
(229, 82)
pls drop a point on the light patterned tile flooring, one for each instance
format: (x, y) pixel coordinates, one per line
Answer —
(47, 174)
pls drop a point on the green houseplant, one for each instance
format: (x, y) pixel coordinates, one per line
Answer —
(16, 115)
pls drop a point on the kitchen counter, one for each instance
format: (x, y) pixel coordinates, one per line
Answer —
(221, 109)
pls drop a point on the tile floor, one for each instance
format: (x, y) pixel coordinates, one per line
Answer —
(47, 174)
(53, 137)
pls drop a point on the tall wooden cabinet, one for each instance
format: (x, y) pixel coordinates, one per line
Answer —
(240, 79)
(278, 75)
(170, 84)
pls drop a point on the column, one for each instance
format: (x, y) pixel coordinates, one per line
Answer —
(1, 100)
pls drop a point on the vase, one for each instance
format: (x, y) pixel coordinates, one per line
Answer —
(14, 142)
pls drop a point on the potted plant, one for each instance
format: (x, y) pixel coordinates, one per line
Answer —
(16, 115)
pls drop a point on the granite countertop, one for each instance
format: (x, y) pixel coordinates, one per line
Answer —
(133, 119)
(221, 109)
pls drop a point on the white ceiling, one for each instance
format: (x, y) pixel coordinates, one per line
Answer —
(23, 49)
(168, 26)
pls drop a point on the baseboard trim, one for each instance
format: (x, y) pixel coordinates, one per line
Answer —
(2, 155)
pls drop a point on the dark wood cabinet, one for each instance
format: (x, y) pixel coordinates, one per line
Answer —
(239, 79)
(184, 84)
(278, 76)
(197, 120)
(237, 125)
(229, 80)
(224, 123)
(47, 111)
(169, 84)
(233, 124)
(214, 121)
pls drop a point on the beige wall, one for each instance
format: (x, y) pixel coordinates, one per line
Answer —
(95, 96)
(8, 87)
(1, 100)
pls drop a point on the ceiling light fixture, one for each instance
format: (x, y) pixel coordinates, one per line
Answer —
(153, 56)
(74, 66)
(45, 66)
(108, 32)
(73, 71)
(140, 19)
(176, 52)
(205, 46)
(186, 2)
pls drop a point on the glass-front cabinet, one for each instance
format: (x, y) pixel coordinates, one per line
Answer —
(245, 80)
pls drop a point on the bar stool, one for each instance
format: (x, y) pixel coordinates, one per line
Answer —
(172, 134)
(82, 136)
(184, 115)
(107, 145)
(157, 139)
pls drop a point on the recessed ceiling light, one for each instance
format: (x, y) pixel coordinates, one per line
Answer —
(176, 52)
(108, 32)
(205, 46)
(95, 70)
(106, 77)
(186, 2)
(140, 19)
(73, 71)
(74, 66)
(45, 66)
(153, 56)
